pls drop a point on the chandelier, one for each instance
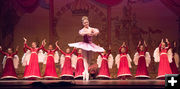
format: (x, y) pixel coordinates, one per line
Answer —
(80, 7)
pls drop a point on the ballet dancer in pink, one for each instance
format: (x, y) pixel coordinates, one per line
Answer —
(87, 45)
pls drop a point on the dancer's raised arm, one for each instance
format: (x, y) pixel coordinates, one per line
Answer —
(138, 46)
(59, 48)
(168, 43)
(4, 53)
(145, 46)
(56, 47)
(16, 50)
(74, 50)
(44, 43)
(25, 44)
(41, 46)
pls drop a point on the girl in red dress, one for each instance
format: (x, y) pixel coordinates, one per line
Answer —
(163, 55)
(81, 66)
(67, 64)
(51, 57)
(10, 63)
(105, 62)
(175, 60)
(142, 59)
(32, 71)
(123, 62)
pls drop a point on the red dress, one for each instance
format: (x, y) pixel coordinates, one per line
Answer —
(164, 65)
(174, 67)
(50, 70)
(9, 70)
(32, 69)
(123, 65)
(79, 66)
(104, 69)
(173, 64)
(67, 69)
(141, 70)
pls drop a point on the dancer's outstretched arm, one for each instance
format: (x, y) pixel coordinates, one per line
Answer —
(167, 41)
(44, 43)
(145, 46)
(41, 46)
(74, 50)
(59, 48)
(25, 44)
(16, 51)
(4, 53)
(56, 47)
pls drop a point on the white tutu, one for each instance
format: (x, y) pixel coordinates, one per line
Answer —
(87, 46)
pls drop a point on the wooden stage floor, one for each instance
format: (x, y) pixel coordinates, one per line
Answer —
(80, 84)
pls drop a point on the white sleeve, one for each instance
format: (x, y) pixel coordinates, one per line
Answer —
(136, 58)
(129, 60)
(73, 61)
(117, 60)
(62, 59)
(99, 60)
(110, 61)
(82, 32)
(148, 59)
(170, 55)
(96, 31)
(56, 57)
(156, 55)
(16, 61)
(41, 56)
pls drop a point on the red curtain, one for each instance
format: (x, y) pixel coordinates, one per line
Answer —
(109, 2)
(28, 6)
(173, 5)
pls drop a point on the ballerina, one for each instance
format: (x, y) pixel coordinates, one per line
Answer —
(10, 63)
(51, 57)
(163, 55)
(66, 62)
(87, 45)
(142, 60)
(123, 62)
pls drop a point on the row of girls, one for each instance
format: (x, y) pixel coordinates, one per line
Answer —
(164, 54)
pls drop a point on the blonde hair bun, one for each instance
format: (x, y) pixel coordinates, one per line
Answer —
(84, 18)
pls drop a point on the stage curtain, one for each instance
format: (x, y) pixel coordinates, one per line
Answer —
(109, 2)
(173, 5)
(28, 6)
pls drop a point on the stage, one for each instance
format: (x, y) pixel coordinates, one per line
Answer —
(80, 84)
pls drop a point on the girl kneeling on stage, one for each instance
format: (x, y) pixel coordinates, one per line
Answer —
(123, 62)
